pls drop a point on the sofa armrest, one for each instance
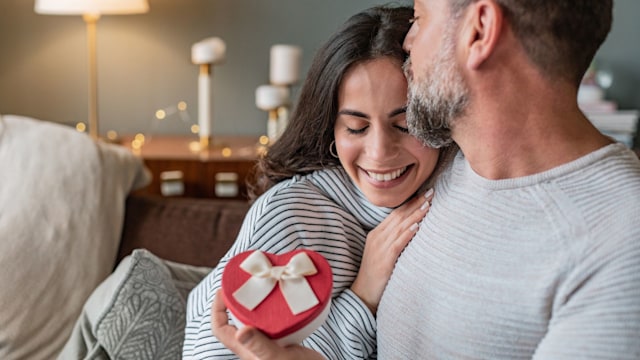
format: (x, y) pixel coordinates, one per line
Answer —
(184, 230)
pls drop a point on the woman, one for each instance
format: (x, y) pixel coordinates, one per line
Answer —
(355, 181)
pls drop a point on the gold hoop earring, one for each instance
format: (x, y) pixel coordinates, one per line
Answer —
(334, 154)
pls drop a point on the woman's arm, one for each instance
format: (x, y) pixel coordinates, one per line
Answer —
(349, 332)
(199, 342)
(350, 329)
(282, 223)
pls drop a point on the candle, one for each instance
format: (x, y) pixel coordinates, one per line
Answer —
(271, 97)
(284, 67)
(204, 101)
(206, 53)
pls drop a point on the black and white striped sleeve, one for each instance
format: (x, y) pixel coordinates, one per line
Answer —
(289, 217)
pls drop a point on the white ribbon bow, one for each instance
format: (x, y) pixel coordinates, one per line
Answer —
(291, 277)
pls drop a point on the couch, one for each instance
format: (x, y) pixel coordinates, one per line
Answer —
(72, 234)
(184, 230)
(168, 246)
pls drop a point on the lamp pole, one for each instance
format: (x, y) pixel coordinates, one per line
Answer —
(91, 20)
(91, 11)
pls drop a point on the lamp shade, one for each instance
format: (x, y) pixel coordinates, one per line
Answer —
(98, 7)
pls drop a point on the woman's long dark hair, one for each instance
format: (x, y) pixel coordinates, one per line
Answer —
(304, 145)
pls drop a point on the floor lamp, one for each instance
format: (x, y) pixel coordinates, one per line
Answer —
(91, 10)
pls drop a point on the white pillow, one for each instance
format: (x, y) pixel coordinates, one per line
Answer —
(62, 199)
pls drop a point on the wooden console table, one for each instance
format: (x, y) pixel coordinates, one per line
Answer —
(179, 168)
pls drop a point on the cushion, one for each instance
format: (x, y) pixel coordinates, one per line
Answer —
(62, 198)
(138, 313)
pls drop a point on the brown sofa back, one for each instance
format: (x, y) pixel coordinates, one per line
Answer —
(185, 230)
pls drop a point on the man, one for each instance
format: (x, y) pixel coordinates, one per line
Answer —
(531, 248)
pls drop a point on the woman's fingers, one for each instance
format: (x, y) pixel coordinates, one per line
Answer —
(405, 220)
(225, 332)
(264, 348)
(219, 318)
(249, 343)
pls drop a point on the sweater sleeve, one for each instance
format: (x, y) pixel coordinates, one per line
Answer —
(596, 314)
(348, 333)
(199, 342)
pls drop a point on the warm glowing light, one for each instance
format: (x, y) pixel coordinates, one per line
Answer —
(161, 114)
(226, 152)
(195, 128)
(264, 140)
(140, 138)
(136, 145)
(194, 146)
(111, 7)
(112, 135)
(81, 127)
(182, 106)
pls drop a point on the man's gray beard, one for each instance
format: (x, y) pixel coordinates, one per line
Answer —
(437, 101)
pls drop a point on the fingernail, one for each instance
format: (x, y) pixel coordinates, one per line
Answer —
(413, 226)
(425, 206)
(428, 193)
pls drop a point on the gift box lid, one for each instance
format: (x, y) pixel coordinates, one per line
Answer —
(277, 294)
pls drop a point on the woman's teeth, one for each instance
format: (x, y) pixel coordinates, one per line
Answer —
(387, 176)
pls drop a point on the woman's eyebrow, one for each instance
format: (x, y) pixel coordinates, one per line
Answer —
(353, 113)
(398, 111)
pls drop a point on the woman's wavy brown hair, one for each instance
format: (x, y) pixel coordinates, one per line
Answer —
(303, 147)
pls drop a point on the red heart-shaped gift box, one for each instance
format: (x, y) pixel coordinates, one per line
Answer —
(275, 315)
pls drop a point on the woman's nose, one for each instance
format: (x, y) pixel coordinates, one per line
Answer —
(382, 146)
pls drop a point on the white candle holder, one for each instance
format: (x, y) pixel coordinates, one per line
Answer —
(206, 53)
(284, 72)
(284, 64)
(271, 98)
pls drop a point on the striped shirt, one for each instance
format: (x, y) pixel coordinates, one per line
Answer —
(323, 211)
(545, 266)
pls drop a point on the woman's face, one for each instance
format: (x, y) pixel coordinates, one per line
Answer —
(373, 143)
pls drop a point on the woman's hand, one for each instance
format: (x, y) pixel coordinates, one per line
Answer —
(249, 343)
(383, 246)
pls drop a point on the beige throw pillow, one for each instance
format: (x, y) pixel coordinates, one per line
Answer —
(62, 199)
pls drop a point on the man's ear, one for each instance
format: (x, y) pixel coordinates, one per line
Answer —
(481, 31)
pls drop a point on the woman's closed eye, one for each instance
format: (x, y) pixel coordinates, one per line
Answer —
(357, 131)
(402, 128)
(400, 116)
(355, 122)
(361, 130)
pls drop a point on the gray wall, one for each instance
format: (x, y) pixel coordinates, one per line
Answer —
(620, 54)
(144, 60)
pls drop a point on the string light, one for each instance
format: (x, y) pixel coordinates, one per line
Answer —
(161, 114)
(226, 152)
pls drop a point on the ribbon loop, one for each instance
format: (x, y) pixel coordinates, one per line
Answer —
(294, 287)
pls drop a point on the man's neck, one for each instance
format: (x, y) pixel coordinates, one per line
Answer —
(520, 137)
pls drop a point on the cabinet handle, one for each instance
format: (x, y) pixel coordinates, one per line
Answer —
(226, 184)
(172, 183)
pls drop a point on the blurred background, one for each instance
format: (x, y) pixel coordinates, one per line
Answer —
(144, 60)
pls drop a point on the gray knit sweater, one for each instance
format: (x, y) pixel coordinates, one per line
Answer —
(544, 267)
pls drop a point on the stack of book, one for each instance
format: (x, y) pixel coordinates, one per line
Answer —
(621, 125)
